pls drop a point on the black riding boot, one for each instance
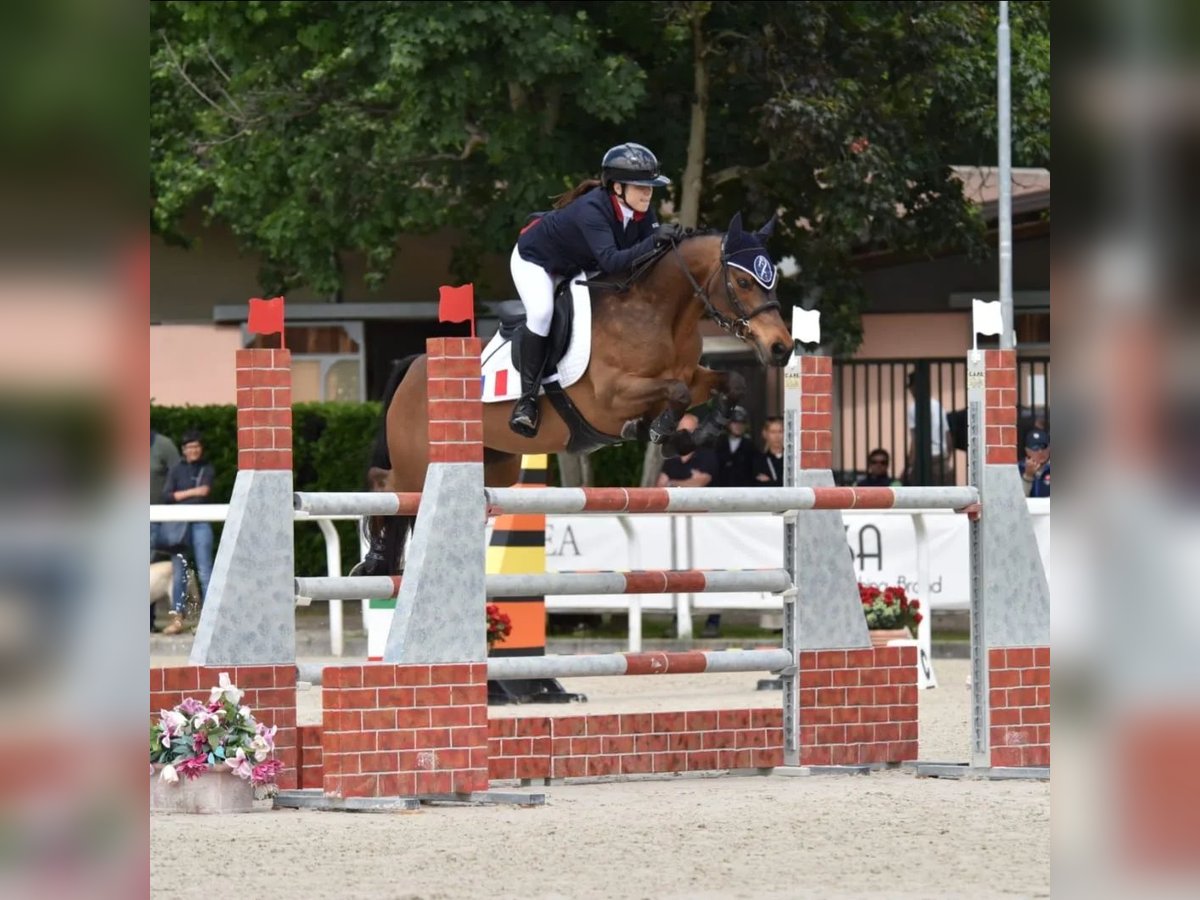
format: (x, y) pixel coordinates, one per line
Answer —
(524, 419)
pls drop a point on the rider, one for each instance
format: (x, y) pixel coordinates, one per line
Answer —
(609, 227)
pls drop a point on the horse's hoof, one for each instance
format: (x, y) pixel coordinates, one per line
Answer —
(370, 565)
(632, 430)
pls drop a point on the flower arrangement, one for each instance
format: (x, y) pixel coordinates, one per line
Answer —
(499, 625)
(195, 737)
(889, 608)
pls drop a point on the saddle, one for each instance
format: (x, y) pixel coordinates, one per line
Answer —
(512, 317)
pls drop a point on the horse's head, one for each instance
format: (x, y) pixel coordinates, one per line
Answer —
(747, 306)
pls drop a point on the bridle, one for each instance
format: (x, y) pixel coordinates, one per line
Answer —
(739, 327)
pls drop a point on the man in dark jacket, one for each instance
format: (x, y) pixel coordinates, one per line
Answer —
(190, 481)
(735, 453)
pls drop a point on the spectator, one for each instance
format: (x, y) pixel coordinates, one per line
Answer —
(879, 461)
(163, 455)
(768, 466)
(735, 453)
(695, 469)
(190, 481)
(1035, 467)
(941, 445)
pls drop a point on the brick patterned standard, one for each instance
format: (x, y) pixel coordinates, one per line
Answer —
(816, 412)
(270, 692)
(410, 730)
(264, 409)
(1019, 705)
(455, 407)
(1000, 407)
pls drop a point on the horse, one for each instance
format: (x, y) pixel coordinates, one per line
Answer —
(644, 372)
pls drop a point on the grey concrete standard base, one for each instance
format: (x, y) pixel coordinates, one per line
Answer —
(249, 613)
(805, 771)
(831, 616)
(992, 773)
(314, 798)
(440, 611)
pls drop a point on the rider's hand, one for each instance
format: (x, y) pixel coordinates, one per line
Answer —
(670, 232)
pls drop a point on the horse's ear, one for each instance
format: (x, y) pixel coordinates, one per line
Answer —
(735, 224)
(767, 230)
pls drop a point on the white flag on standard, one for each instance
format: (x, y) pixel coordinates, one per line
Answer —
(987, 317)
(806, 325)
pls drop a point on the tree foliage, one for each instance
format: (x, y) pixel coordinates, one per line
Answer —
(316, 130)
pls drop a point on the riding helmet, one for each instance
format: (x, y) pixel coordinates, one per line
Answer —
(631, 164)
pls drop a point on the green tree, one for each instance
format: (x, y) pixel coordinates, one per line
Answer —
(320, 129)
(316, 129)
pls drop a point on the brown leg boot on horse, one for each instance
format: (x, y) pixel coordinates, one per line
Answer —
(524, 419)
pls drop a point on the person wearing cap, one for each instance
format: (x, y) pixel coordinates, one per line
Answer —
(1035, 467)
(601, 225)
(735, 453)
(190, 481)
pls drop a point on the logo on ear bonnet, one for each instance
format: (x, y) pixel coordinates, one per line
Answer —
(764, 271)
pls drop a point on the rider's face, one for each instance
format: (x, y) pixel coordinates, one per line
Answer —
(637, 196)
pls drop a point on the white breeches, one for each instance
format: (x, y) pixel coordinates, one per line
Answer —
(536, 289)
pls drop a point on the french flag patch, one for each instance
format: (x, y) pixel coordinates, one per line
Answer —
(499, 383)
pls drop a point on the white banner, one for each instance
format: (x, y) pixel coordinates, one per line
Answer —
(882, 545)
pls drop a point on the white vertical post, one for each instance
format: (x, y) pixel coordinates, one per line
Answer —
(925, 674)
(634, 556)
(333, 564)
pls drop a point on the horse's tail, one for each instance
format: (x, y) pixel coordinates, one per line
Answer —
(389, 531)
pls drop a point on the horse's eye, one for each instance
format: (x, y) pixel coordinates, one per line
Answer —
(744, 283)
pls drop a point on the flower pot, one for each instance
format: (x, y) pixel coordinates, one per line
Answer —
(881, 636)
(218, 790)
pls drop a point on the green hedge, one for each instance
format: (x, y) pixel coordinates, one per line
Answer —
(331, 444)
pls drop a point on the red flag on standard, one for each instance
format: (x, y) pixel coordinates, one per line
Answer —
(457, 304)
(266, 316)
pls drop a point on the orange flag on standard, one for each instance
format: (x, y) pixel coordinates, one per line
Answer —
(266, 316)
(457, 304)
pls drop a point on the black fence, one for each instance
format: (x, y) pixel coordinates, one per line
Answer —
(875, 410)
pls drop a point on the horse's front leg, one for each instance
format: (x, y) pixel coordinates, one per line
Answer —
(640, 392)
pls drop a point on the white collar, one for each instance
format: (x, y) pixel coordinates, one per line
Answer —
(626, 212)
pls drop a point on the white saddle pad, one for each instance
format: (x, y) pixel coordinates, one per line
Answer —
(501, 380)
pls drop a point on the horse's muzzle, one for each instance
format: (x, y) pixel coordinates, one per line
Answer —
(780, 353)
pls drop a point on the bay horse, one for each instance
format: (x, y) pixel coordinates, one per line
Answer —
(643, 374)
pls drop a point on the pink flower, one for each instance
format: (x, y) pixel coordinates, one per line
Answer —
(199, 739)
(264, 773)
(193, 767)
(240, 764)
(190, 706)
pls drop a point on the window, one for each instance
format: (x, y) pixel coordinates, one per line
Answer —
(327, 361)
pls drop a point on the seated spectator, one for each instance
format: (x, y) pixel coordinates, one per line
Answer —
(768, 465)
(695, 469)
(735, 452)
(1035, 467)
(878, 463)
